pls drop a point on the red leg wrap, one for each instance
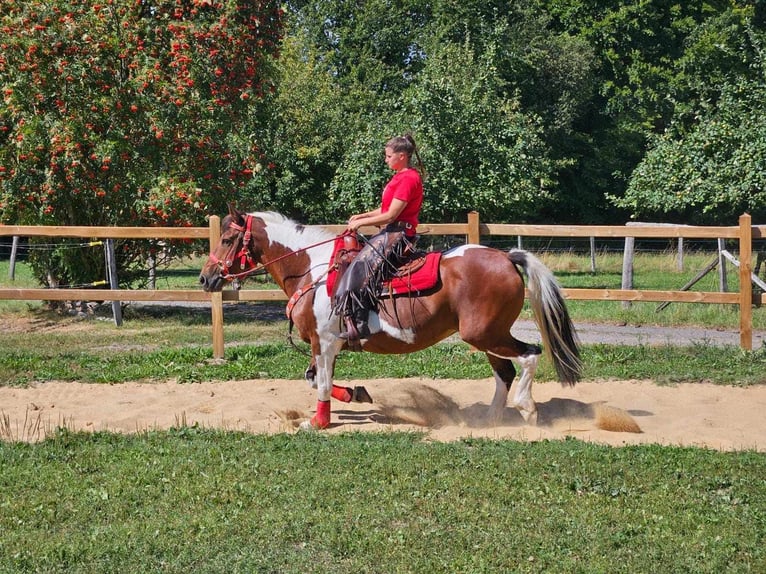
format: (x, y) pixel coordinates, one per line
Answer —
(342, 394)
(321, 420)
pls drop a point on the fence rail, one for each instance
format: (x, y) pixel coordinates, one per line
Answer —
(473, 229)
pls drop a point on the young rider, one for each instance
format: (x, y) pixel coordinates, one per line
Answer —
(356, 292)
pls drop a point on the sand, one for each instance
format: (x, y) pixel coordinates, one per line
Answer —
(702, 415)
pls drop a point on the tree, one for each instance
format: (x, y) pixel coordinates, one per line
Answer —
(486, 89)
(709, 166)
(714, 172)
(130, 112)
(481, 152)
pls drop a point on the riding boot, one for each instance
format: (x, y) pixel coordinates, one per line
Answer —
(360, 318)
(356, 328)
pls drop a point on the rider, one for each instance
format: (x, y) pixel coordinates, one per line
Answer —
(356, 292)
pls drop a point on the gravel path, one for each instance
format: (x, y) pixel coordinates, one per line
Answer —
(593, 333)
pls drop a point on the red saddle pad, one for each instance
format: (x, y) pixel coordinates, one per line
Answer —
(426, 277)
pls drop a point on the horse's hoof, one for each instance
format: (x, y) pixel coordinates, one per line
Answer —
(306, 426)
(314, 424)
(360, 395)
(530, 417)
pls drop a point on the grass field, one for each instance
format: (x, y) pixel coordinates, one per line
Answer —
(198, 501)
(655, 271)
(194, 500)
(164, 343)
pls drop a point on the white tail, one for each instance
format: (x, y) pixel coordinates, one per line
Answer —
(558, 333)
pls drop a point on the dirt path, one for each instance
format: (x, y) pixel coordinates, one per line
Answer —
(726, 418)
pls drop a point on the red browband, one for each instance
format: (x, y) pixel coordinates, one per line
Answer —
(246, 262)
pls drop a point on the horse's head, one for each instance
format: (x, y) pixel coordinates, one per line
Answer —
(237, 251)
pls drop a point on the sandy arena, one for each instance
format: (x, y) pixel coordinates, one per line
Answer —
(716, 417)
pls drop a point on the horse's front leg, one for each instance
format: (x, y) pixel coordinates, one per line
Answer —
(324, 363)
(357, 394)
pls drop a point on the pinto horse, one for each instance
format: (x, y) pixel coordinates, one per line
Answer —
(479, 295)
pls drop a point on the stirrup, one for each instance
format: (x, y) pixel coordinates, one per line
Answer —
(352, 335)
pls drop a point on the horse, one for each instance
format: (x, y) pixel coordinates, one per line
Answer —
(479, 295)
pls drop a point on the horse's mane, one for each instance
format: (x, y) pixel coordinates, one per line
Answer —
(314, 233)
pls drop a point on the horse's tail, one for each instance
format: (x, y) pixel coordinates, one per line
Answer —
(547, 301)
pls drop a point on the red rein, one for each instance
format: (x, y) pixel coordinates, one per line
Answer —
(246, 258)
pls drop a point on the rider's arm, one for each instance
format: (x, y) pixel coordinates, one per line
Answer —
(377, 217)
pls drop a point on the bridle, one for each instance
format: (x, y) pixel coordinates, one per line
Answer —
(247, 261)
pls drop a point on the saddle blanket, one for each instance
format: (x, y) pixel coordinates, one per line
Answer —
(424, 277)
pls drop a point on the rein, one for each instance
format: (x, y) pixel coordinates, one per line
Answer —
(247, 263)
(246, 260)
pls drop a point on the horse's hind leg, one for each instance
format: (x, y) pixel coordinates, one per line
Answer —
(501, 360)
(522, 397)
(504, 374)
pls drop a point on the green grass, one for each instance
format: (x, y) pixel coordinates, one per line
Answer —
(651, 271)
(165, 343)
(201, 501)
(664, 364)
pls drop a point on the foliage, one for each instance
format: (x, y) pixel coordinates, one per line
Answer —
(203, 501)
(480, 151)
(157, 112)
(125, 112)
(714, 171)
(443, 72)
(305, 135)
(709, 166)
(531, 111)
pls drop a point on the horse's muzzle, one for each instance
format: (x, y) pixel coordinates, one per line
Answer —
(211, 284)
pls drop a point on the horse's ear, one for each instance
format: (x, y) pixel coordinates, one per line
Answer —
(236, 215)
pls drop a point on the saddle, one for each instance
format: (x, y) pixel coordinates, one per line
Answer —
(417, 274)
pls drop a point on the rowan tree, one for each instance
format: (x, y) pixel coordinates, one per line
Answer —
(130, 112)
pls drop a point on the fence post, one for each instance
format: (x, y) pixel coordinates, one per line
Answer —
(723, 278)
(216, 299)
(14, 251)
(627, 268)
(111, 273)
(745, 284)
(680, 255)
(474, 235)
(152, 264)
(592, 254)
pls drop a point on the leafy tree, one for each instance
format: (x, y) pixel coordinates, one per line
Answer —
(712, 174)
(486, 88)
(129, 112)
(709, 166)
(308, 132)
(342, 68)
(480, 151)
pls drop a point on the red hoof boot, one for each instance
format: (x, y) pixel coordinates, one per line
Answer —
(343, 394)
(321, 420)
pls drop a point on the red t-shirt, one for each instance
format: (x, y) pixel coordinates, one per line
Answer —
(406, 185)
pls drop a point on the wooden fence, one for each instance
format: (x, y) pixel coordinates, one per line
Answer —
(473, 229)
